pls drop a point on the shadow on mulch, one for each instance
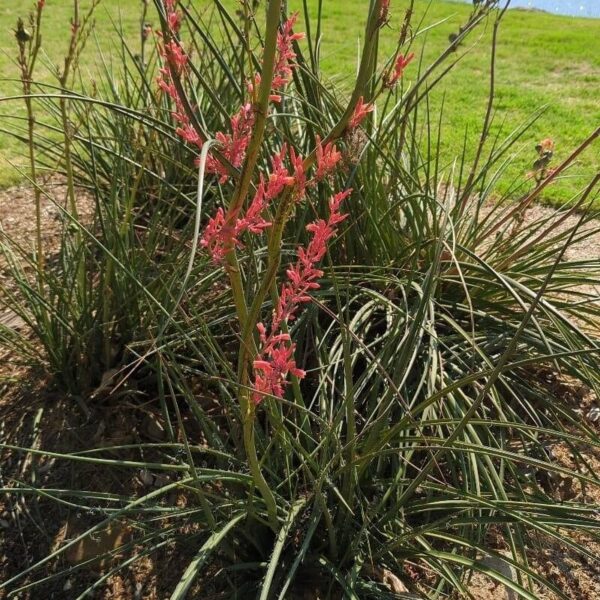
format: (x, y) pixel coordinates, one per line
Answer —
(34, 525)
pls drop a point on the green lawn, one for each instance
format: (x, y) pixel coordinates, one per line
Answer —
(543, 60)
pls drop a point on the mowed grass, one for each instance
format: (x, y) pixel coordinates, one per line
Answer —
(543, 62)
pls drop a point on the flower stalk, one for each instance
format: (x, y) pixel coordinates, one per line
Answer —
(266, 361)
(283, 212)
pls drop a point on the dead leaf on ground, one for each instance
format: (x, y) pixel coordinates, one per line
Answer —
(387, 578)
(94, 546)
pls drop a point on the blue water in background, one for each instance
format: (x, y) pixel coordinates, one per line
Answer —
(576, 8)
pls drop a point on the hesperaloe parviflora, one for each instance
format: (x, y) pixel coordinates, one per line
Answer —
(266, 363)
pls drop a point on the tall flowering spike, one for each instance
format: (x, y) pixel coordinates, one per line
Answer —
(185, 128)
(335, 203)
(275, 360)
(286, 56)
(327, 159)
(398, 71)
(360, 112)
(174, 56)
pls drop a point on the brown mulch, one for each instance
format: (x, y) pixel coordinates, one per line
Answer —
(30, 530)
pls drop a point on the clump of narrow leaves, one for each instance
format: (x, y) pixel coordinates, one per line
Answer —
(359, 390)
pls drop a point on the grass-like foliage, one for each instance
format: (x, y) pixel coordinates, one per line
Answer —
(372, 423)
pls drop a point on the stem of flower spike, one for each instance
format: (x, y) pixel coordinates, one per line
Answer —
(248, 410)
(274, 249)
(189, 111)
(247, 347)
(28, 53)
(261, 108)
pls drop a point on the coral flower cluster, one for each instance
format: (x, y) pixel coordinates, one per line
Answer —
(289, 173)
(397, 72)
(275, 361)
(360, 112)
(222, 234)
(282, 74)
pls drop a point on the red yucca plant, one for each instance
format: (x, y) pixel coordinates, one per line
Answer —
(387, 423)
(262, 203)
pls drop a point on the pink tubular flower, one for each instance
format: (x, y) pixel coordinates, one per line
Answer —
(275, 360)
(300, 181)
(401, 63)
(254, 85)
(279, 176)
(253, 221)
(190, 135)
(174, 53)
(174, 21)
(285, 53)
(233, 145)
(218, 236)
(327, 159)
(303, 275)
(185, 128)
(360, 112)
